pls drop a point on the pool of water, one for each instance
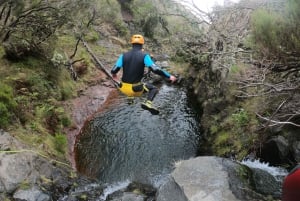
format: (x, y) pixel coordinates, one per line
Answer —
(125, 143)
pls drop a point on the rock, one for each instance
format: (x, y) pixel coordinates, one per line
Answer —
(275, 151)
(133, 192)
(170, 190)
(266, 183)
(32, 194)
(203, 178)
(14, 169)
(7, 142)
(129, 196)
(210, 179)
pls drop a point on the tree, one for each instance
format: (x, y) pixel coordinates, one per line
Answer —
(28, 27)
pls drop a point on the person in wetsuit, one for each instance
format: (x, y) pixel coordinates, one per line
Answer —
(133, 64)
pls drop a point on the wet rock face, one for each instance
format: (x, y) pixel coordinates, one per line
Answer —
(276, 151)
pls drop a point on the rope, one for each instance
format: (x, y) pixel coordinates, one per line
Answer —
(35, 152)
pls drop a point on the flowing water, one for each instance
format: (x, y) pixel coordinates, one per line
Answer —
(126, 144)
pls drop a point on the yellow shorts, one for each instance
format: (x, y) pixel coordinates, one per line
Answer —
(132, 89)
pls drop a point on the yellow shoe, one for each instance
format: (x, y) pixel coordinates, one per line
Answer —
(148, 106)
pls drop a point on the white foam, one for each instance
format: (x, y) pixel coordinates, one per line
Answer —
(113, 188)
(275, 171)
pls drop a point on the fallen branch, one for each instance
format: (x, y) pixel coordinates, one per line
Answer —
(277, 122)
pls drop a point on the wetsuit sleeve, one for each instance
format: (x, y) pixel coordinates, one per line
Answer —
(118, 65)
(155, 68)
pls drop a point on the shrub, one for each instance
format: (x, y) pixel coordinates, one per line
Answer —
(277, 32)
(266, 29)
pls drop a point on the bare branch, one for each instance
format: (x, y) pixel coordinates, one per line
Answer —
(276, 123)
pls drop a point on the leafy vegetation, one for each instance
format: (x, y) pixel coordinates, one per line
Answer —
(7, 104)
(277, 32)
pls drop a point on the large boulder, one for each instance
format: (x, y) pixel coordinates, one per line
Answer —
(209, 179)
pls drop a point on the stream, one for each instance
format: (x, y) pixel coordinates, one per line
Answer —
(125, 144)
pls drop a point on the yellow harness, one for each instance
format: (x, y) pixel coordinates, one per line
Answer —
(128, 89)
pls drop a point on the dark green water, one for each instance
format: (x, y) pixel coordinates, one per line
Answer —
(126, 143)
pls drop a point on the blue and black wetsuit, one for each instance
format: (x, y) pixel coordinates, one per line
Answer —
(133, 63)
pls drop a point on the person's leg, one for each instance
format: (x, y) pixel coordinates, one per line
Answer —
(152, 91)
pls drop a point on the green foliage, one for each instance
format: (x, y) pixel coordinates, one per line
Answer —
(223, 144)
(50, 117)
(109, 13)
(293, 25)
(266, 29)
(66, 85)
(60, 142)
(241, 118)
(120, 27)
(91, 36)
(149, 26)
(4, 115)
(277, 33)
(147, 17)
(7, 104)
(293, 10)
(234, 135)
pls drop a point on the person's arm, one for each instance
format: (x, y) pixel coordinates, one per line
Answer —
(118, 65)
(157, 69)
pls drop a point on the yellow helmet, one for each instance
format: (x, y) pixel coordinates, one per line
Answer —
(137, 39)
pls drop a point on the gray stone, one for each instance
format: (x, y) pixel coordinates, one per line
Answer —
(14, 169)
(32, 194)
(170, 190)
(203, 178)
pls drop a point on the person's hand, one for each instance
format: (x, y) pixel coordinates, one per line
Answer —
(114, 76)
(172, 79)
